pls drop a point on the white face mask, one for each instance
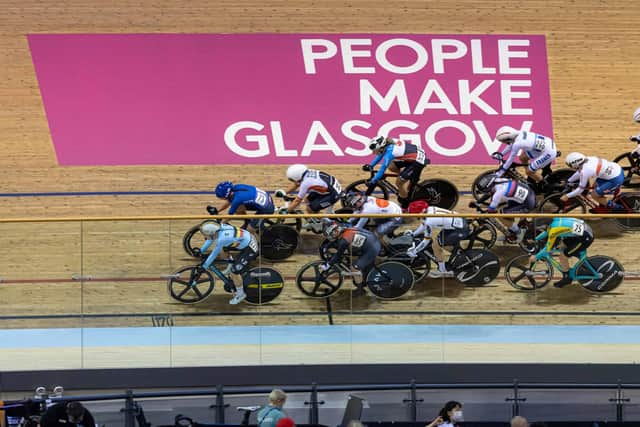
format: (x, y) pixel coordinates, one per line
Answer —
(457, 416)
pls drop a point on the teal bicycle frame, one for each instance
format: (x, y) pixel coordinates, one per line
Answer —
(573, 270)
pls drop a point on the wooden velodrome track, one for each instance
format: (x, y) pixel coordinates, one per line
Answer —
(592, 50)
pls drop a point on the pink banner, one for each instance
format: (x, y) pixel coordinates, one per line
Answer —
(131, 99)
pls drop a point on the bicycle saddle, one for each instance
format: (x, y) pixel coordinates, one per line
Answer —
(248, 408)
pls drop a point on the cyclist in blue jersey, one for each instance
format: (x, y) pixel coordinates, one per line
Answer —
(227, 236)
(572, 235)
(405, 159)
(240, 198)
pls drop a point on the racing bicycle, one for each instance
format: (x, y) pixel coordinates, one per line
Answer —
(630, 163)
(437, 192)
(193, 284)
(597, 273)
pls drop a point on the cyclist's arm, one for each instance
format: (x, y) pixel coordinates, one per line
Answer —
(360, 222)
(386, 161)
(224, 206)
(235, 204)
(376, 160)
(584, 181)
(506, 149)
(514, 150)
(496, 199)
(214, 253)
(342, 246)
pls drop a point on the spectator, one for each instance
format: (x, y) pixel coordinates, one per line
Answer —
(450, 415)
(519, 421)
(272, 413)
(286, 422)
(66, 415)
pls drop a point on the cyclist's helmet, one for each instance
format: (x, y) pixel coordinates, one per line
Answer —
(295, 172)
(636, 115)
(209, 229)
(377, 143)
(223, 189)
(506, 134)
(575, 160)
(355, 200)
(333, 230)
(417, 206)
(486, 183)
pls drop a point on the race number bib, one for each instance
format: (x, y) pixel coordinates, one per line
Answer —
(578, 228)
(261, 198)
(358, 240)
(521, 194)
(539, 144)
(336, 186)
(421, 157)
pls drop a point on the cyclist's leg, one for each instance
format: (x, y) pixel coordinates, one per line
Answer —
(538, 163)
(604, 187)
(365, 263)
(387, 227)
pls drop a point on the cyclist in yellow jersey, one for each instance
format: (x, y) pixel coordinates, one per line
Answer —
(573, 234)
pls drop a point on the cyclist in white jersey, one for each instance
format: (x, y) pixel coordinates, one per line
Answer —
(538, 150)
(443, 231)
(362, 204)
(609, 176)
(519, 197)
(319, 188)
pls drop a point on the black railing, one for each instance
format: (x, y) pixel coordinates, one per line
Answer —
(132, 408)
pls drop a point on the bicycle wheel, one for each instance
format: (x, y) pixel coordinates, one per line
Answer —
(318, 284)
(483, 235)
(557, 180)
(437, 192)
(475, 191)
(188, 286)
(295, 223)
(390, 280)
(524, 276)
(628, 164)
(262, 285)
(278, 242)
(610, 269)
(192, 239)
(419, 265)
(360, 186)
(553, 204)
(632, 202)
(475, 267)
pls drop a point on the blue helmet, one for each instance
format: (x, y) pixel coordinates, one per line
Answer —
(223, 189)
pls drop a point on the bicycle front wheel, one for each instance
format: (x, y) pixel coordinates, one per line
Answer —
(316, 283)
(524, 276)
(189, 286)
(483, 235)
(552, 204)
(360, 186)
(628, 164)
(632, 202)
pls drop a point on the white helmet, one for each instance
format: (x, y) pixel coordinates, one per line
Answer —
(506, 134)
(575, 160)
(636, 115)
(377, 143)
(295, 172)
(209, 229)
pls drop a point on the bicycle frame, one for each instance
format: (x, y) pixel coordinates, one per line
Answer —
(572, 271)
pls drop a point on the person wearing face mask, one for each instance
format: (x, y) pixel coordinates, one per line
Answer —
(450, 415)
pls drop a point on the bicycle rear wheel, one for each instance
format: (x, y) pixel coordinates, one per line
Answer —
(262, 285)
(557, 180)
(278, 242)
(192, 239)
(552, 204)
(437, 192)
(632, 201)
(475, 267)
(524, 276)
(318, 284)
(390, 280)
(610, 269)
(189, 286)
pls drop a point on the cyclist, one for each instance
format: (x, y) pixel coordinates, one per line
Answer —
(519, 197)
(227, 236)
(396, 155)
(361, 242)
(609, 177)
(240, 198)
(573, 236)
(443, 231)
(363, 204)
(320, 189)
(535, 149)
